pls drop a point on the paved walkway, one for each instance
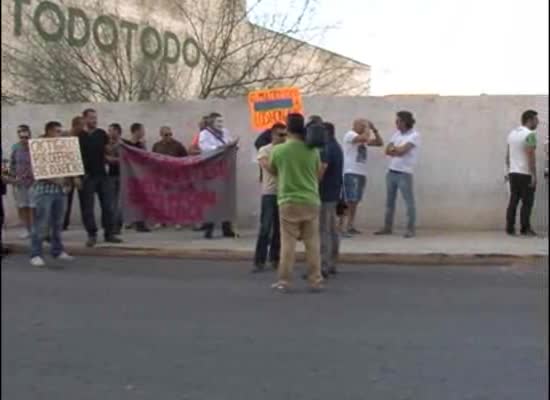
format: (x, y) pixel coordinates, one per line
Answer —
(429, 247)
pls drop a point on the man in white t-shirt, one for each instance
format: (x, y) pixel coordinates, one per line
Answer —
(355, 147)
(522, 173)
(403, 153)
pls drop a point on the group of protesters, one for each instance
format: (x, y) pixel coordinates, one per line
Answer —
(44, 206)
(311, 185)
(309, 181)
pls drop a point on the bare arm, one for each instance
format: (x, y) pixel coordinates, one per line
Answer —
(322, 169)
(531, 156)
(377, 141)
(390, 149)
(361, 139)
(399, 151)
(110, 155)
(530, 150)
(264, 163)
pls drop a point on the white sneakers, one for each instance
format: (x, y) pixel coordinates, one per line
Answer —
(39, 261)
(64, 257)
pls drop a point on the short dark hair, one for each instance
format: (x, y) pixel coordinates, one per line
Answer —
(116, 127)
(329, 127)
(88, 111)
(528, 115)
(52, 125)
(315, 119)
(295, 123)
(407, 118)
(214, 115)
(136, 126)
(278, 125)
(23, 127)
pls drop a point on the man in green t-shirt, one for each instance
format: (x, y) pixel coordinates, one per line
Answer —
(298, 167)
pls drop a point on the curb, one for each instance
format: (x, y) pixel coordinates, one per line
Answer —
(473, 259)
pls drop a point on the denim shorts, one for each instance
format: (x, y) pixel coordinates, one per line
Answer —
(23, 196)
(354, 187)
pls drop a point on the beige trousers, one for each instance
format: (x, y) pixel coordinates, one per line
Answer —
(299, 222)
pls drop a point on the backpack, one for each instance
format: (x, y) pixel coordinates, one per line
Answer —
(316, 135)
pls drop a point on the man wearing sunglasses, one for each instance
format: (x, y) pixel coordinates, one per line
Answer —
(168, 145)
(21, 171)
(269, 238)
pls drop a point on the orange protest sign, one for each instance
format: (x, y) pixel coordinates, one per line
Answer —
(270, 106)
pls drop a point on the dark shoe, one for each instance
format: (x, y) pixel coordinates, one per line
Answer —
(353, 231)
(511, 232)
(258, 268)
(275, 265)
(230, 234)
(529, 233)
(91, 242)
(143, 229)
(383, 232)
(333, 271)
(113, 239)
(409, 234)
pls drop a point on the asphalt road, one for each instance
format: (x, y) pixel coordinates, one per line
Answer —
(138, 328)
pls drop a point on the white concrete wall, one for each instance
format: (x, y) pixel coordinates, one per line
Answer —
(459, 182)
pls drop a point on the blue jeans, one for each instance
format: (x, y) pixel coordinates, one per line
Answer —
(404, 183)
(49, 213)
(269, 235)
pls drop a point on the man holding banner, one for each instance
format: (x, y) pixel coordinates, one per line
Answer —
(214, 137)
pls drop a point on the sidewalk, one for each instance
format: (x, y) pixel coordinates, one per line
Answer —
(429, 247)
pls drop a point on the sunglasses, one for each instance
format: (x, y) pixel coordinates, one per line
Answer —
(167, 134)
(282, 135)
(24, 137)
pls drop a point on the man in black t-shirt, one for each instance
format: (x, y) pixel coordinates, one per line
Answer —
(94, 144)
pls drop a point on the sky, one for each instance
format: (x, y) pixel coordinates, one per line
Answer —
(446, 47)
